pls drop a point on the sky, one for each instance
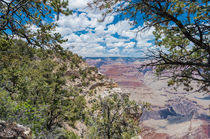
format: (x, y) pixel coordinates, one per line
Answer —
(114, 37)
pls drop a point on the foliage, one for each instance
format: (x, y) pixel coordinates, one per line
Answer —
(34, 88)
(34, 92)
(20, 112)
(17, 17)
(181, 32)
(114, 117)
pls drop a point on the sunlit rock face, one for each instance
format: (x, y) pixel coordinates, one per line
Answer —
(175, 114)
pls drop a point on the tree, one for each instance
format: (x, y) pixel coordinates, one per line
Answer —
(33, 88)
(17, 16)
(61, 104)
(181, 33)
(114, 117)
(21, 112)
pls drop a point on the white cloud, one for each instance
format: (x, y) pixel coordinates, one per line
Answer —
(100, 30)
(144, 37)
(129, 45)
(78, 4)
(98, 38)
(72, 23)
(114, 51)
(117, 44)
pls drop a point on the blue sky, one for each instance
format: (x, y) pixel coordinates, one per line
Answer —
(90, 38)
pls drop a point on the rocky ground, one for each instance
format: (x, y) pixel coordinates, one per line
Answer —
(14, 131)
(175, 114)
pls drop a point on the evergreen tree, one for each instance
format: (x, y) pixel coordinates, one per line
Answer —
(114, 117)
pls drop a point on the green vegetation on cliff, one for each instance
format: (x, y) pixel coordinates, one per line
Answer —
(45, 90)
(33, 88)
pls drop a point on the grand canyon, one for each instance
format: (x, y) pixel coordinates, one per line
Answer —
(175, 114)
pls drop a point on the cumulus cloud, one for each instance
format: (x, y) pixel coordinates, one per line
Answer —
(88, 37)
(78, 4)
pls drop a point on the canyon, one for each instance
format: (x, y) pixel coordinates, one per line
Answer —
(174, 114)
